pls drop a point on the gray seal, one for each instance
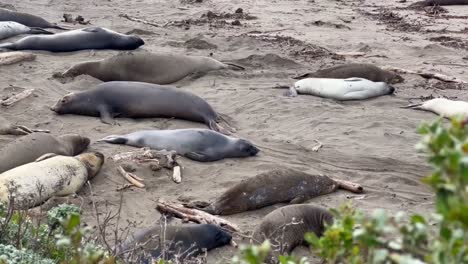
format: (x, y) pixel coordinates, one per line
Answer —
(26, 19)
(10, 29)
(138, 100)
(196, 144)
(438, 3)
(74, 40)
(30, 147)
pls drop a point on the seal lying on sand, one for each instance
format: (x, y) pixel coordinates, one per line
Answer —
(157, 68)
(443, 107)
(181, 242)
(10, 29)
(285, 227)
(138, 100)
(25, 19)
(80, 39)
(196, 144)
(439, 3)
(28, 148)
(341, 89)
(359, 70)
(36, 182)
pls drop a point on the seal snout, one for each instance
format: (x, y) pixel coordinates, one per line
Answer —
(391, 89)
(252, 150)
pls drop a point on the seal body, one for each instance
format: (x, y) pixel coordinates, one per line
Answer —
(10, 29)
(277, 186)
(80, 39)
(25, 19)
(181, 242)
(157, 68)
(359, 70)
(36, 182)
(342, 89)
(439, 3)
(30, 147)
(444, 107)
(137, 100)
(197, 144)
(285, 227)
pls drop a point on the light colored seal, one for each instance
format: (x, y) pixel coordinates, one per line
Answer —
(138, 100)
(26, 19)
(181, 242)
(30, 147)
(11, 29)
(341, 89)
(36, 182)
(157, 68)
(359, 70)
(286, 227)
(196, 144)
(443, 107)
(74, 40)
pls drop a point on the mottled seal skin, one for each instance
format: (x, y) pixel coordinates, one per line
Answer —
(138, 100)
(157, 68)
(197, 144)
(34, 183)
(26, 19)
(439, 3)
(443, 107)
(80, 39)
(360, 70)
(285, 227)
(11, 29)
(30, 147)
(268, 188)
(181, 242)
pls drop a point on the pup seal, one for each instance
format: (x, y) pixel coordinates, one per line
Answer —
(26, 19)
(36, 182)
(443, 107)
(138, 100)
(360, 70)
(80, 39)
(285, 227)
(157, 68)
(11, 29)
(181, 242)
(341, 89)
(196, 144)
(30, 147)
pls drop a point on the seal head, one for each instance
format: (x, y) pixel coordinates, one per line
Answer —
(76, 143)
(93, 162)
(243, 148)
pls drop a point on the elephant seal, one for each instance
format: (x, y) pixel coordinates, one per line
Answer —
(268, 188)
(34, 183)
(439, 3)
(197, 144)
(359, 70)
(11, 29)
(341, 89)
(180, 242)
(74, 40)
(30, 147)
(26, 19)
(285, 227)
(443, 107)
(157, 68)
(138, 100)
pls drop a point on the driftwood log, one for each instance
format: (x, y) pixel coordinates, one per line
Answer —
(17, 97)
(427, 75)
(13, 57)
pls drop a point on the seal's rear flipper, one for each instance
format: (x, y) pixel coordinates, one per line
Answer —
(60, 27)
(7, 45)
(233, 66)
(114, 139)
(197, 204)
(303, 76)
(414, 106)
(224, 118)
(46, 156)
(292, 92)
(36, 30)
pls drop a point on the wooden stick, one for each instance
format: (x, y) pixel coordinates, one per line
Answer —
(164, 158)
(17, 97)
(128, 176)
(193, 215)
(138, 20)
(8, 58)
(177, 175)
(350, 186)
(426, 75)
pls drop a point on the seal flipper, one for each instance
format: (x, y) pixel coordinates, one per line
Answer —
(216, 127)
(233, 66)
(46, 156)
(36, 30)
(106, 116)
(8, 45)
(303, 76)
(114, 139)
(414, 106)
(200, 156)
(298, 199)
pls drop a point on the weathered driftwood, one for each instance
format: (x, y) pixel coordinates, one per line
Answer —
(351, 53)
(177, 174)
(350, 186)
(194, 215)
(164, 158)
(426, 75)
(17, 97)
(8, 129)
(7, 58)
(130, 177)
(139, 20)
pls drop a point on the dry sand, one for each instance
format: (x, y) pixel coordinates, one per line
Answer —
(370, 142)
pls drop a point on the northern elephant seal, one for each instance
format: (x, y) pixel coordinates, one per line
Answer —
(439, 3)
(138, 100)
(269, 188)
(10, 29)
(196, 144)
(30, 147)
(341, 89)
(443, 107)
(359, 70)
(34, 183)
(157, 68)
(285, 227)
(181, 242)
(26, 19)
(74, 40)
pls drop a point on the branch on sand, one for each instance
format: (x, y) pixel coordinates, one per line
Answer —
(164, 158)
(139, 20)
(349, 186)
(427, 75)
(17, 97)
(130, 177)
(8, 58)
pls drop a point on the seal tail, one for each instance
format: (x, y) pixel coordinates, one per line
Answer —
(414, 106)
(224, 118)
(234, 66)
(59, 27)
(202, 206)
(302, 76)
(114, 139)
(7, 45)
(36, 30)
(216, 127)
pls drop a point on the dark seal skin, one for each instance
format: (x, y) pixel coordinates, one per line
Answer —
(360, 70)
(269, 188)
(80, 39)
(286, 227)
(138, 100)
(439, 3)
(26, 19)
(181, 242)
(30, 147)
